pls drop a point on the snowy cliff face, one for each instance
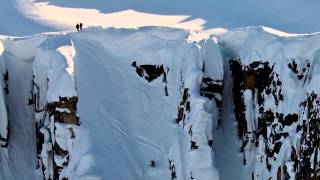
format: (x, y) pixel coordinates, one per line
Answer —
(118, 104)
(152, 104)
(274, 83)
(38, 107)
(146, 103)
(55, 101)
(17, 130)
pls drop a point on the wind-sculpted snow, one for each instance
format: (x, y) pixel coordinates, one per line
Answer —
(275, 99)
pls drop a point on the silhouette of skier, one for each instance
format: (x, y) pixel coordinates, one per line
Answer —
(77, 26)
(80, 26)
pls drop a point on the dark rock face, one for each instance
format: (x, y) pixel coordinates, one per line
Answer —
(184, 107)
(259, 78)
(39, 142)
(65, 117)
(238, 88)
(301, 72)
(172, 169)
(194, 145)
(152, 72)
(272, 126)
(55, 120)
(6, 84)
(4, 141)
(307, 162)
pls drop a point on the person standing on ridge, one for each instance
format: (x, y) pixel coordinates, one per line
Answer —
(80, 26)
(77, 26)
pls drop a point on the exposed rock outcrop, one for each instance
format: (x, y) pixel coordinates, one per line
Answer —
(56, 117)
(152, 72)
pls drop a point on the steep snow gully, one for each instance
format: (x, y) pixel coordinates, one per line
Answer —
(152, 103)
